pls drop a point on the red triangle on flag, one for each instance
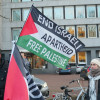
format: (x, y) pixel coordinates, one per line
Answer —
(29, 27)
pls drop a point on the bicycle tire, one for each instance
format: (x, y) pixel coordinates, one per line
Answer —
(68, 98)
(62, 98)
(57, 99)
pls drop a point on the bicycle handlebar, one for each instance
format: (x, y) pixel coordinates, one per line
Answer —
(66, 87)
(76, 80)
(66, 90)
(72, 81)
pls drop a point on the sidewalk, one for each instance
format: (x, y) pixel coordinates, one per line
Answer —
(56, 81)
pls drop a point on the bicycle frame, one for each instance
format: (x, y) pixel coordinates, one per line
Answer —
(63, 96)
(79, 95)
(66, 96)
(82, 90)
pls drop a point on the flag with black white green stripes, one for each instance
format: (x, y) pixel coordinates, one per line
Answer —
(47, 40)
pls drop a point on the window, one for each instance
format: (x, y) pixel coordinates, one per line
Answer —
(15, 0)
(71, 29)
(82, 57)
(80, 11)
(25, 13)
(91, 11)
(48, 12)
(99, 30)
(40, 9)
(16, 15)
(92, 31)
(25, 0)
(98, 10)
(69, 12)
(58, 13)
(38, 63)
(15, 33)
(81, 31)
(72, 59)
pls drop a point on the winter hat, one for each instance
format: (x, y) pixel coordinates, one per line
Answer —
(96, 61)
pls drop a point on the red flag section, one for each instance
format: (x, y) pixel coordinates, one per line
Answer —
(16, 87)
(29, 27)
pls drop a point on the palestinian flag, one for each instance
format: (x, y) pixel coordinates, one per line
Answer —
(19, 83)
(46, 39)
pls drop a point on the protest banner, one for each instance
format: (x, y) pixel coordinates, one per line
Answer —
(46, 39)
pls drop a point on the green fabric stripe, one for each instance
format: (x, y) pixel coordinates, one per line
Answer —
(40, 49)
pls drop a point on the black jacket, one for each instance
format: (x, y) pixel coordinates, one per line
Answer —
(3, 74)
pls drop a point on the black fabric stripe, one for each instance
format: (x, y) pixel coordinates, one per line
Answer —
(19, 60)
(35, 13)
(41, 98)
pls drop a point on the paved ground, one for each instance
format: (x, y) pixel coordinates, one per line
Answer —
(56, 81)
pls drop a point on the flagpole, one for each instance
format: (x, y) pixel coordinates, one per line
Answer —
(12, 48)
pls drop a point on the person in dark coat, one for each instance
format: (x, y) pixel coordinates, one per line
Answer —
(3, 74)
(94, 80)
(26, 62)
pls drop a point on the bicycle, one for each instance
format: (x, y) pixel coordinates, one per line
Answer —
(83, 92)
(63, 96)
(66, 96)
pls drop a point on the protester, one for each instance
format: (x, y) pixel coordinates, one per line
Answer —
(3, 74)
(27, 63)
(94, 80)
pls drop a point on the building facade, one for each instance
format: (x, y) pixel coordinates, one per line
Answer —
(0, 22)
(80, 18)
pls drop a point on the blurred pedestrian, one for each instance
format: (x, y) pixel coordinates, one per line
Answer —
(94, 80)
(26, 62)
(3, 73)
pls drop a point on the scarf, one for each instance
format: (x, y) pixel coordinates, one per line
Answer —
(94, 75)
(95, 72)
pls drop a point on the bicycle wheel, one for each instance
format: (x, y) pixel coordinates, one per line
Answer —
(67, 98)
(70, 98)
(55, 98)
